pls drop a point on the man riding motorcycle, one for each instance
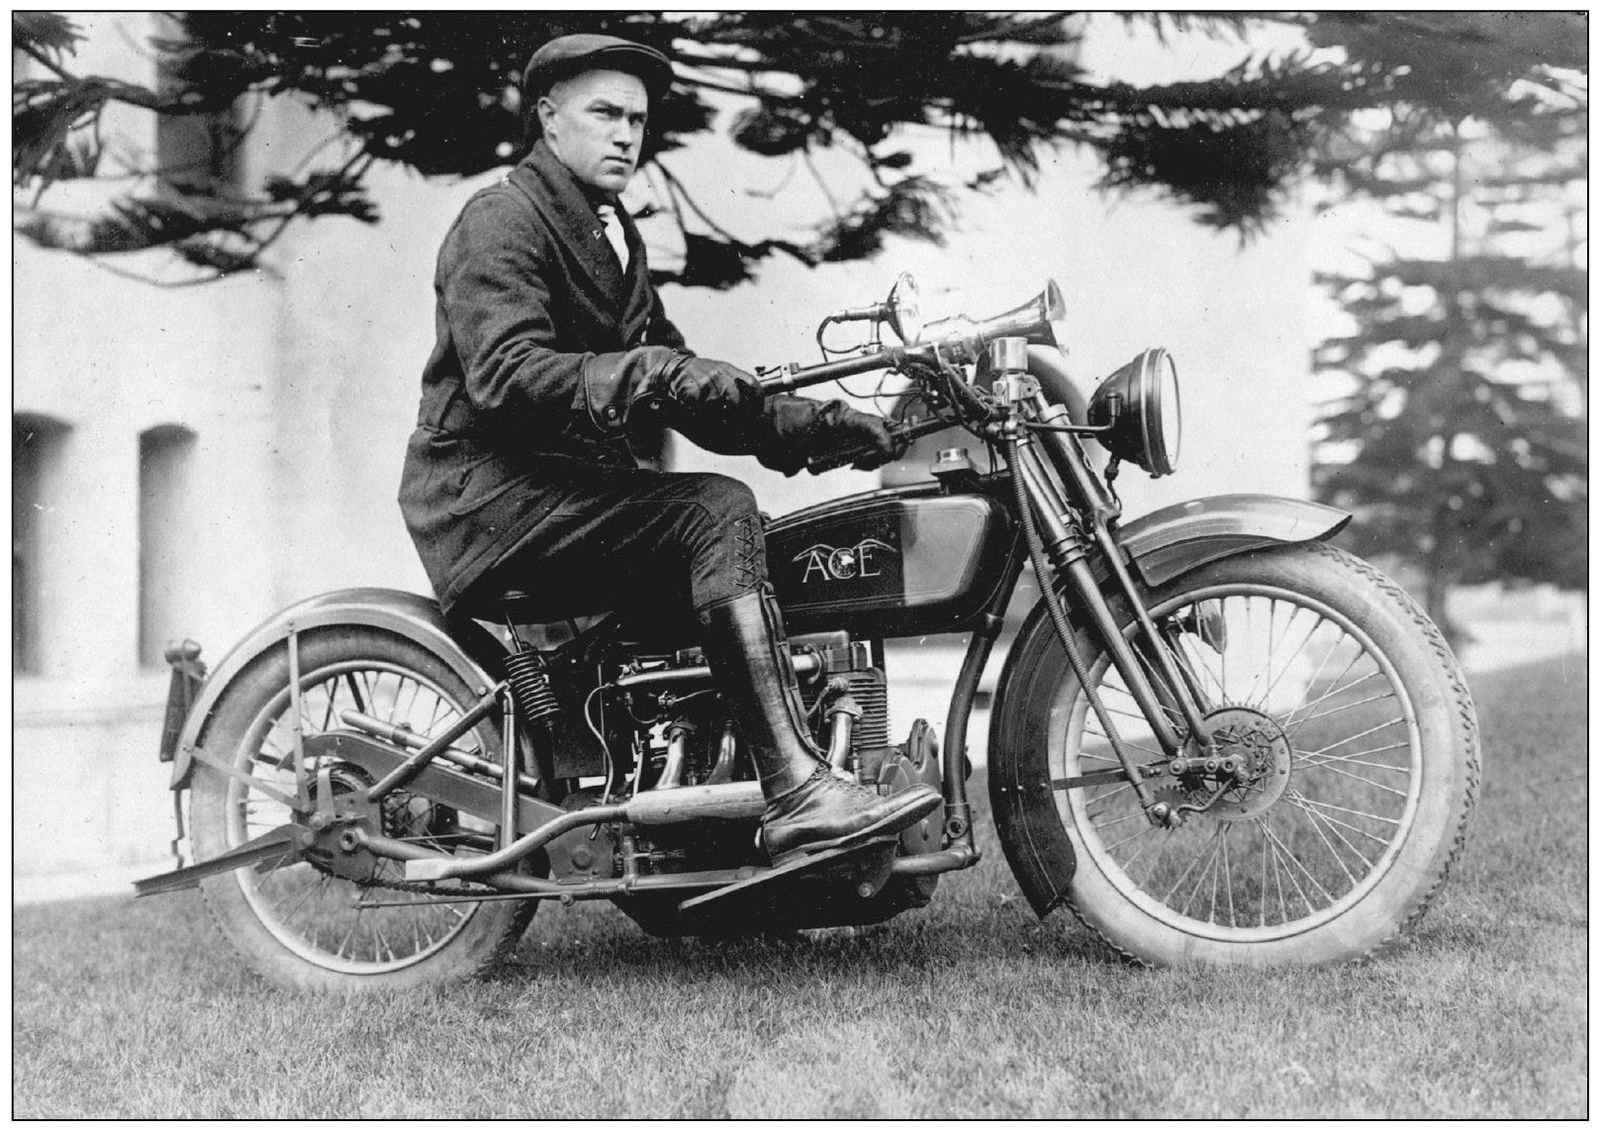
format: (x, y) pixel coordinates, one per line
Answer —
(551, 343)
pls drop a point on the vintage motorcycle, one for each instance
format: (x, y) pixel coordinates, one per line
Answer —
(1216, 738)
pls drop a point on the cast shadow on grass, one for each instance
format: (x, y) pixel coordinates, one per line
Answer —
(600, 943)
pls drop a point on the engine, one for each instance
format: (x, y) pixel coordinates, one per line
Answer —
(684, 735)
(658, 722)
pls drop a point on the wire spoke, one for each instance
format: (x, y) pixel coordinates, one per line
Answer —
(1199, 663)
(1313, 820)
(1309, 672)
(1280, 856)
(1209, 867)
(307, 906)
(1291, 857)
(1230, 895)
(328, 711)
(1379, 696)
(1127, 838)
(1354, 758)
(1314, 675)
(1349, 810)
(1145, 846)
(1115, 821)
(1293, 727)
(356, 694)
(1332, 689)
(1344, 773)
(1358, 735)
(302, 893)
(1308, 806)
(1154, 752)
(372, 682)
(1179, 881)
(1290, 661)
(1263, 884)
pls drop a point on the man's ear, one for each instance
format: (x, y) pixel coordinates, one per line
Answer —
(544, 111)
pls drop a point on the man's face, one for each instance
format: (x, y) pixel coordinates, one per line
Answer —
(594, 123)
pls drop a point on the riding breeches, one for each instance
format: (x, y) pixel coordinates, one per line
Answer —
(637, 538)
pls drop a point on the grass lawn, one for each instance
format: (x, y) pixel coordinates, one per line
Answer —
(969, 1008)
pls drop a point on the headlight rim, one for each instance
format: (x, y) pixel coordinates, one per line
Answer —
(1138, 388)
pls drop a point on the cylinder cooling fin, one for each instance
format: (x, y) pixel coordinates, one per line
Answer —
(867, 687)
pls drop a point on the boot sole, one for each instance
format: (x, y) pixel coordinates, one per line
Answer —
(887, 827)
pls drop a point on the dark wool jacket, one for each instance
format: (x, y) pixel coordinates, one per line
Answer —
(539, 334)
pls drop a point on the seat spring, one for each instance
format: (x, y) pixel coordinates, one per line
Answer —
(531, 685)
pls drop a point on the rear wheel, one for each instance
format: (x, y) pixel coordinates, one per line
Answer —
(1347, 767)
(301, 925)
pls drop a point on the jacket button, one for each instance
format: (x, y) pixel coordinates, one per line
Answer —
(612, 413)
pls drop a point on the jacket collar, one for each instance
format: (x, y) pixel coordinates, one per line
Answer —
(572, 212)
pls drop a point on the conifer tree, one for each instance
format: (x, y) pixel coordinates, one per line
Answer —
(1459, 442)
(437, 92)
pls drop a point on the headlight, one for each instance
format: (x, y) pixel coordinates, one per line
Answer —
(902, 310)
(1139, 405)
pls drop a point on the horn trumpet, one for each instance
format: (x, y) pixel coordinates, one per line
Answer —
(966, 338)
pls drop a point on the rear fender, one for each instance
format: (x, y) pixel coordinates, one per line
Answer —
(1160, 547)
(467, 649)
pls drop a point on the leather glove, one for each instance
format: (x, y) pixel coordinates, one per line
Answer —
(693, 391)
(700, 385)
(797, 428)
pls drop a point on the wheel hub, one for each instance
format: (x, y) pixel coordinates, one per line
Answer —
(1254, 758)
(1244, 772)
(346, 806)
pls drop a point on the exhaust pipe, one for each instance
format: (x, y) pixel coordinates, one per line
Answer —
(724, 801)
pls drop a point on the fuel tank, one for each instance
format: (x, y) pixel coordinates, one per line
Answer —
(898, 562)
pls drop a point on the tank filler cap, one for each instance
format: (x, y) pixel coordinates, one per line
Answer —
(952, 462)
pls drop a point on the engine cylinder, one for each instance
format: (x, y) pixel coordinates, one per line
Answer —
(867, 687)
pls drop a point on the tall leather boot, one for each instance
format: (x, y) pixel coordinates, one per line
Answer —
(809, 808)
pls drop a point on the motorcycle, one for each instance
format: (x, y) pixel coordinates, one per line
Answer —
(1216, 738)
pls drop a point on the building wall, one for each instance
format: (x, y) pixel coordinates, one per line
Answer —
(299, 384)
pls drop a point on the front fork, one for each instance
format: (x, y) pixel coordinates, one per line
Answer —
(1061, 543)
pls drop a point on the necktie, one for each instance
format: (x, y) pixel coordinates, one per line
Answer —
(614, 230)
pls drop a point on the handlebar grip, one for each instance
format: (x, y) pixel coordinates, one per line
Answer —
(825, 462)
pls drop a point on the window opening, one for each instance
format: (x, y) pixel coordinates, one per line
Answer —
(166, 504)
(36, 446)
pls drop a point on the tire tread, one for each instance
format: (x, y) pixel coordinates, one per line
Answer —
(1468, 742)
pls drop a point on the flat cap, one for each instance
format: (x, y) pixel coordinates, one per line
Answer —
(568, 55)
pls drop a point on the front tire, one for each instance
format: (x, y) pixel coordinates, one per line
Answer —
(1331, 685)
(299, 925)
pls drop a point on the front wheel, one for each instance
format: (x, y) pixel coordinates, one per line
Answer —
(301, 924)
(1345, 767)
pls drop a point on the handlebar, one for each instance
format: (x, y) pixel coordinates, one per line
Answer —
(799, 377)
(957, 340)
(824, 462)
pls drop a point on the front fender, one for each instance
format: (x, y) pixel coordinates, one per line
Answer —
(1172, 540)
(1160, 546)
(468, 649)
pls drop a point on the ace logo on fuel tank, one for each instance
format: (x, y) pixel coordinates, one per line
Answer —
(824, 563)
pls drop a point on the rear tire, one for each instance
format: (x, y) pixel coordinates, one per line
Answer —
(295, 925)
(1361, 727)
